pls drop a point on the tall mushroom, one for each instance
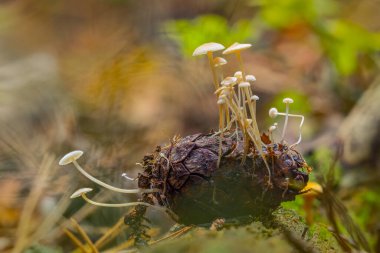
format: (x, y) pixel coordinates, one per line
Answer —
(237, 48)
(209, 48)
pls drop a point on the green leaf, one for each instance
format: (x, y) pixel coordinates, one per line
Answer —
(189, 34)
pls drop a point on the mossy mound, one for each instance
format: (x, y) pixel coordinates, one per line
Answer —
(254, 237)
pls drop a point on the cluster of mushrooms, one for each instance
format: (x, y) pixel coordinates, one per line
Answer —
(236, 101)
(237, 113)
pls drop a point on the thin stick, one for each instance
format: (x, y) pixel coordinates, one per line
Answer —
(84, 235)
(75, 240)
(24, 228)
(110, 234)
(173, 235)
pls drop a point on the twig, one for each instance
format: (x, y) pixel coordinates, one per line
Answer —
(75, 240)
(84, 235)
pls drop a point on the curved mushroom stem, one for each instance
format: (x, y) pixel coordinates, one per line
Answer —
(300, 127)
(162, 209)
(110, 187)
(300, 130)
(84, 196)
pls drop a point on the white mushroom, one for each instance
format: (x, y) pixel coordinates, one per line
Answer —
(250, 78)
(273, 113)
(74, 155)
(70, 157)
(219, 61)
(236, 48)
(79, 192)
(209, 48)
(230, 80)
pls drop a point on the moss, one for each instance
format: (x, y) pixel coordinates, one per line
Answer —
(254, 237)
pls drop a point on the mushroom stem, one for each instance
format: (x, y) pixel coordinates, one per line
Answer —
(240, 60)
(308, 207)
(163, 209)
(286, 121)
(211, 62)
(221, 117)
(110, 187)
(300, 127)
(84, 196)
(228, 118)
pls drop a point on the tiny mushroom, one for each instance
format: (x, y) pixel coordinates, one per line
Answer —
(239, 76)
(219, 61)
(250, 78)
(273, 113)
(209, 48)
(229, 81)
(271, 130)
(80, 192)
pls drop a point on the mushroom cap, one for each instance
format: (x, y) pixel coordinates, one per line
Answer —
(272, 128)
(79, 192)
(313, 189)
(221, 101)
(208, 47)
(250, 78)
(273, 112)
(255, 97)
(236, 47)
(70, 157)
(238, 74)
(244, 85)
(229, 80)
(219, 61)
(288, 101)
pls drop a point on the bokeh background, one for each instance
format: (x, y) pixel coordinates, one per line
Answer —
(116, 78)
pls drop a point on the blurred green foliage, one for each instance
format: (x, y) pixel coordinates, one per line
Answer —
(301, 105)
(285, 13)
(343, 42)
(364, 208)
(189, 34)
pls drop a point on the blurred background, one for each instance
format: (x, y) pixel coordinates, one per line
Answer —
(116, 78)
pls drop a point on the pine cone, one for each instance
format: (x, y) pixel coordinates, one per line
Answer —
(193, 187)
